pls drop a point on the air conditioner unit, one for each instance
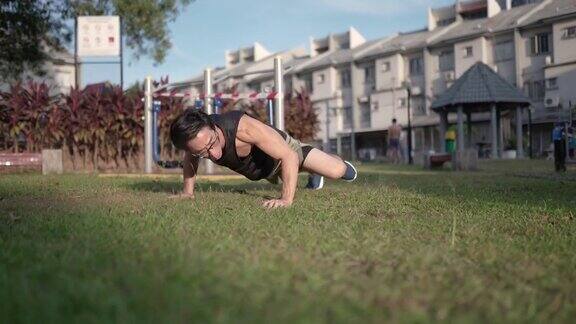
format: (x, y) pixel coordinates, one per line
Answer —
(551, 101)
(449, 76)
(363, 99)
(338, 93)
(549, 60)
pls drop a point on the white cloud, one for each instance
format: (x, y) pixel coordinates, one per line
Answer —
(381, 7)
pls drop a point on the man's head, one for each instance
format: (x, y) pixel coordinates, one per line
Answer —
(393, 120)
(194, 132)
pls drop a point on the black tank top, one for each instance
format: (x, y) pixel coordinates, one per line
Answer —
(257, 165)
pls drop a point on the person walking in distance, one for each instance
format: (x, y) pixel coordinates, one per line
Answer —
(394, 132)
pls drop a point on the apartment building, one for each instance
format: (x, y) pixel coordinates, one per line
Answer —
(358, 86)
(247, 69)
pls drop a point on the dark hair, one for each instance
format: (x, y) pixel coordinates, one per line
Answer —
(187, 125)
(394, 120)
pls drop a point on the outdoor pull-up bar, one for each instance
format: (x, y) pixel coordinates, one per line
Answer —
(151, 155)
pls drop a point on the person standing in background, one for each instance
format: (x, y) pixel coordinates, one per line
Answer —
(394, 132)
(559, 138)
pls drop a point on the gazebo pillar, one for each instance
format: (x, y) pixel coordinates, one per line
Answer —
(469, 129)
(519, 137)
(460, 119)
(493, 132)
(443, 127)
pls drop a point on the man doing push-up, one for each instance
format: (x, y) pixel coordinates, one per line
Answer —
(253, 149)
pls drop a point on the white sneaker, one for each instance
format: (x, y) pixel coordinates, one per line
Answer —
(315, 182)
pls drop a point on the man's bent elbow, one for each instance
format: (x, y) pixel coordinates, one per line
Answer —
(291, 158)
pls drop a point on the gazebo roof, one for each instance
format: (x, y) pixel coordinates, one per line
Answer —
(480, 86)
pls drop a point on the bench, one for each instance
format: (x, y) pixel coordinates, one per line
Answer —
(49, 160)
(436, 160)
(20, 159)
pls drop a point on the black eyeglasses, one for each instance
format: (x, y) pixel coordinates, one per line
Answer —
(204, 153)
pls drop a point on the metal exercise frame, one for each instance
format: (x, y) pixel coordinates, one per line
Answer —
(208, 101)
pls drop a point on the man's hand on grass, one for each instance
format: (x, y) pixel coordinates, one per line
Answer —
(275, 203)
(182, 195)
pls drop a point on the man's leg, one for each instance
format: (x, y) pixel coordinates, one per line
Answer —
(324, 164)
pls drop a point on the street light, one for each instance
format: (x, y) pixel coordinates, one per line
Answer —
(531, 154)
(408, 87)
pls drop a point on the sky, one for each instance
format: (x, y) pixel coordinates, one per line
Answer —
(205, 29)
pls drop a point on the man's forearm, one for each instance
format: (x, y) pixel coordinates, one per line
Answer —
(189, 173)
(189, 185)
(289, 177)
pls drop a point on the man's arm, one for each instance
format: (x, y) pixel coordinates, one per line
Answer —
(268, 140)
(189, 168)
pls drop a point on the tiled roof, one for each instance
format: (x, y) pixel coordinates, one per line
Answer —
(553, 9)
(502, 21)
(480, 85)
(402, 42)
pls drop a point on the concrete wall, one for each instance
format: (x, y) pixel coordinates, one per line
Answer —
(324, 81)
(392, 78)
(564, 48)
(479, 54)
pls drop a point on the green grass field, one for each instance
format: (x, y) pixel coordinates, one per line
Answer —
(400, 244)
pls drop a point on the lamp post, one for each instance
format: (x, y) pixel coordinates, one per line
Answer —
(408, 87)
(530, 132)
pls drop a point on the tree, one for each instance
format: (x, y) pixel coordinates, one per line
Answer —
(30, 28)
(27, 27)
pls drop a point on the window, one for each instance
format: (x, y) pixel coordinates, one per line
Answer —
(345, 79)
(539, 44)
(344, 45)
(552, 84)
(446, 61)
(416, 66)
(321, 78)
(468, 51)
(385, 66)
(517, 3)
(534, 90)
(365, 115)
(402, 103)
(504, 51)
(308, 84)
(369, 75)
(321, 50)
(569, 32)
(347, 122)
(445, 22)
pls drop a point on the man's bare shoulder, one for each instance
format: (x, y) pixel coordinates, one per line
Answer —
(248, 128)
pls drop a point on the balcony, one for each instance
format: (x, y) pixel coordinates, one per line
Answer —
(472, 9)
(471, 6)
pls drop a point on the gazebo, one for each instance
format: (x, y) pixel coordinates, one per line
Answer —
(478, 90)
